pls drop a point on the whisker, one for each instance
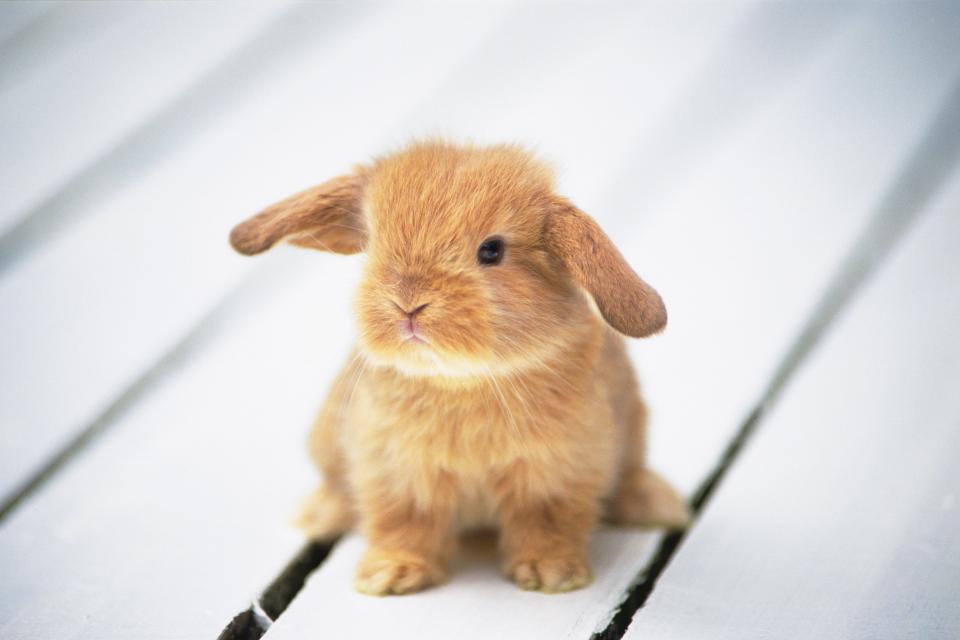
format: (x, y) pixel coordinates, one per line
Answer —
(507, 414)
(356, 382)
(323, 244)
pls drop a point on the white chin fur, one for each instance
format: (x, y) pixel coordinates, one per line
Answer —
(427, 363)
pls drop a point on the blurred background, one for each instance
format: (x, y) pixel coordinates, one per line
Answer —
(755, 161)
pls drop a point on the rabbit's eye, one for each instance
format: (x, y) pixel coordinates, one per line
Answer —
(490, 252)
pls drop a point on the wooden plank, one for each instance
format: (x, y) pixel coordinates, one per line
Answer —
(151, 533)
(717, 252)
(170, 526)
(839, 520)
(105, 299)
(84, 553)
(128, 326)
(802, 166)
(92, 73)
(207, 422)
(579, 63)
(17, 17)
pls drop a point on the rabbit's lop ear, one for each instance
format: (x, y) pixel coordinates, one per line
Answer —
(627, 303)
(327, 217)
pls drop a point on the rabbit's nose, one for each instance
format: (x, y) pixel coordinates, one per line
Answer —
(411, 313)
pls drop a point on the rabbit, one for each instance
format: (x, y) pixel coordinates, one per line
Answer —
(490, 385)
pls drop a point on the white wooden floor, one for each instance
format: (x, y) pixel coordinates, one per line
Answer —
(786, 174)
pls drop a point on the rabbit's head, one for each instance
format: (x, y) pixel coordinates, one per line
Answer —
(474, 265)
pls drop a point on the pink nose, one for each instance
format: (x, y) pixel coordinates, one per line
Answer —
(408, 330)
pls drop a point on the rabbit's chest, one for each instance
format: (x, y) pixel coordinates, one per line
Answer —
(466, 445)
(472, 436)
(474, 445)
(466, 434)
(465, 437)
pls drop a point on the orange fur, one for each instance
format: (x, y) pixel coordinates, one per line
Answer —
(520, 411)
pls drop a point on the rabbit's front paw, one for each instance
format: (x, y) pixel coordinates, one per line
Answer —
(382, 573)
(550, 574)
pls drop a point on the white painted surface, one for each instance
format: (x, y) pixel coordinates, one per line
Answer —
(92, 548)
(91, 72)
(109, 295)
(477, 603)
(17, 16)
(168, 507)
(172, 524)
(840, 520)
(743, 247)
(724, 245)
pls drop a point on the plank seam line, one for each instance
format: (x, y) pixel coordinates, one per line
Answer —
(28, 30)
(925, 172)
(163, 131)
(245, 625)
(243, 296)
(254, 621)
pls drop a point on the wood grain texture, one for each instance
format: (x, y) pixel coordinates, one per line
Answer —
(840, 519)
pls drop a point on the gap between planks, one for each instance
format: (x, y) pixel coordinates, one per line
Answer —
(253, 622)
(924, 173)
(292, 579)
(187, 114)
(244, 296)
(920, 178)
(137, 151)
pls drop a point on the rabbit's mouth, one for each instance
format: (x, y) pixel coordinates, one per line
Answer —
(411, 331)
(415, 338)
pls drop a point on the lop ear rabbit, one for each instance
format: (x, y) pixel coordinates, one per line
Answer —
(486, 390)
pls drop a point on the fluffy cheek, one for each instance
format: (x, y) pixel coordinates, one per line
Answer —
(379, 325)
(533, 314)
